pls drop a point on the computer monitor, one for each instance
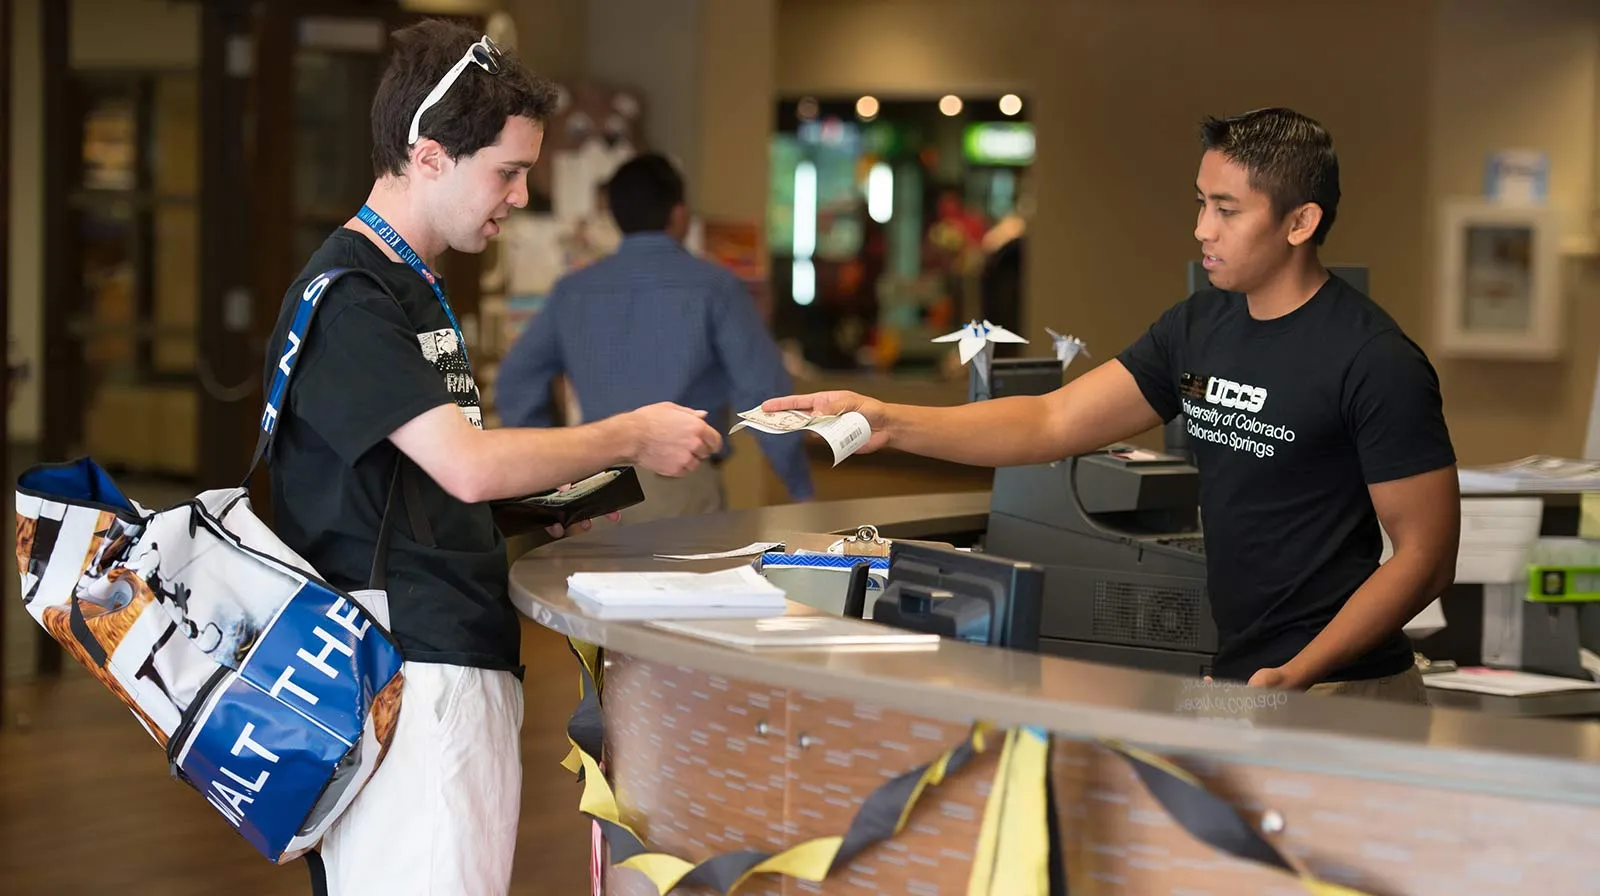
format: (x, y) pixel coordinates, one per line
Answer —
(1019, 376)
(962, 595)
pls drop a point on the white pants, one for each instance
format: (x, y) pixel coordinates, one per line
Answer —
(440, 815)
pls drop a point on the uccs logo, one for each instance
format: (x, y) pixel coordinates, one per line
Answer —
(1234, 395)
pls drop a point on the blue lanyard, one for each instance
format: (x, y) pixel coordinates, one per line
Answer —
(408, 255)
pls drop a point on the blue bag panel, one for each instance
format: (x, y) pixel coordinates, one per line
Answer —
(260, 765)
(80, 481)
(325, 657)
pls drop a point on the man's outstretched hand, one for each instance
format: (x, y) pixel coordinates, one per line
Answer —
(827, 404)
(671, 440)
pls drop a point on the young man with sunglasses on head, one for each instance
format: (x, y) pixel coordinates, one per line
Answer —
(1311, 415)
(386, 379)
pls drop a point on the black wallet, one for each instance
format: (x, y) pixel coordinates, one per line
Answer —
(607, 491)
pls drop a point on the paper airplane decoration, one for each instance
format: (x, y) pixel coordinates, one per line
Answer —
(975, 337)
(976, 341)
(1067, 347)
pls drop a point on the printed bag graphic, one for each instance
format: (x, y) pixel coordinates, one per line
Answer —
(273, 693)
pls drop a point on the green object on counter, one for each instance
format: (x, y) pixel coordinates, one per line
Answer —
(1564, 571)
(1563, 584)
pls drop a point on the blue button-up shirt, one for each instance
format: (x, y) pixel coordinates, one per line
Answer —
(652, 323)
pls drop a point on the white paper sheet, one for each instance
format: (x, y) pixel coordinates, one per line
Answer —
(755, 547)
(1505, 682)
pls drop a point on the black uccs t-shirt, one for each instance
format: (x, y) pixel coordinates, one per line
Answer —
(370, 364)
(1289, 421)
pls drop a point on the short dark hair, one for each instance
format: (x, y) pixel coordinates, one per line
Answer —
(472, 112)
(643, 191)
(1289, 157)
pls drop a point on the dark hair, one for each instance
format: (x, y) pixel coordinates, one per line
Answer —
(643, 192)
(1289, 157)
(472, 112)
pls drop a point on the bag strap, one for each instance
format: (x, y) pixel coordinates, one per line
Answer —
(378, 578)
(288, 358)
(277, 402)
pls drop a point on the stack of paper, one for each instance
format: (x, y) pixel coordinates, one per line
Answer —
(1496, 535)
(800, 632)
(1538, 473)
(740, 591)
(1505, 682)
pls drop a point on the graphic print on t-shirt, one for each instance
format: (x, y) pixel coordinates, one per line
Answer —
(1228, 413)
(443, 350)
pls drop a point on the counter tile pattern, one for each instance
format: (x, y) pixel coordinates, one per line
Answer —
(704, 764)
(853, 748)
(1381, 838)
(697, 765)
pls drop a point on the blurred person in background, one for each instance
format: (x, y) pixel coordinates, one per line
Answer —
(653, 323)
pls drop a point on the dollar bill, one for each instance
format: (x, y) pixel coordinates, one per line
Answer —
(776, 421)
(844, 433)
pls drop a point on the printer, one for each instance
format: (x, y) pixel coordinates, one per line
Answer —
(1118, 532)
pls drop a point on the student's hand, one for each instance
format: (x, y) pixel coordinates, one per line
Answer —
(827, 404)
(556, 531)
(671, 440)
(1276, 677)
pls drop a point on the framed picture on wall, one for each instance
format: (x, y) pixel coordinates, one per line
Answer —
(1499, 280)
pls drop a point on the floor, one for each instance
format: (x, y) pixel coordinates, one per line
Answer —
(87, 807)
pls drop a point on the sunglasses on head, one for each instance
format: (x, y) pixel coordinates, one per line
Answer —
(483, 53)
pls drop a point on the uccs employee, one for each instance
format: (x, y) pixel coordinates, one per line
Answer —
(1311, 415)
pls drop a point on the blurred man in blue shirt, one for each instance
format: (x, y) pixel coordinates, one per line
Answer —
(654, 323)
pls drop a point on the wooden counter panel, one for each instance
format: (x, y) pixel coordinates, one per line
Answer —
(852, 749)
(1381, 838)
(695, 778)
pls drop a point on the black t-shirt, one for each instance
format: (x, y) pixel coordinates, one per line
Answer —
(1289, 421)
(369, 365)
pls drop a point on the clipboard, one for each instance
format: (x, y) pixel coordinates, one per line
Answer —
(607, 491)
(864, 542)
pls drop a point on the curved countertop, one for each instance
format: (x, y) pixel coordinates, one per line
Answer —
(1556, 761)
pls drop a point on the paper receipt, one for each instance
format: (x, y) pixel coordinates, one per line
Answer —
(845, 433)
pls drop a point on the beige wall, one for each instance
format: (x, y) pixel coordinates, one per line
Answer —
(900, 47)
(1416, 92)
(736, 82)
(653, 47)
(1521, 75)
(1118, 110)
(550, 35)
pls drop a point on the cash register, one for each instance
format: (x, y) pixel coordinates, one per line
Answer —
(1118, 532)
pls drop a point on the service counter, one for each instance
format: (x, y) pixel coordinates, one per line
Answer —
(712, 750)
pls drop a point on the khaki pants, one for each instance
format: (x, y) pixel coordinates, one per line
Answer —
(666, 497)
(1405, 687)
